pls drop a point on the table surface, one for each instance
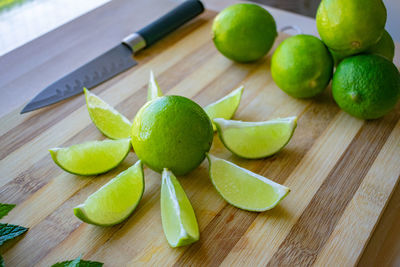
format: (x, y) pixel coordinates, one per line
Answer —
(26, 70)
(24, 20)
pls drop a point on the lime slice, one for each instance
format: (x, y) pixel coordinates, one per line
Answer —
(109, 121)
(93, 157)
(115, 200)
(153, 91)
(254, 140)
(178, 218)
(225, 107)
(243, 188)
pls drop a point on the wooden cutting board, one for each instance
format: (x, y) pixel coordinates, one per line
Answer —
(341, 172)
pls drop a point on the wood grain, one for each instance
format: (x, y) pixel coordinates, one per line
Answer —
(302, 245)
(334, 166)
(367, 200)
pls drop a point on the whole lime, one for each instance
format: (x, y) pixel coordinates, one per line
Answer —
(338, 56)
(244, 32)
(171, 132)
(351, 26)
(302, 66)
(384, 47)
(366, 86)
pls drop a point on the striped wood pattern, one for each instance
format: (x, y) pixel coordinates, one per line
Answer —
(341, 171)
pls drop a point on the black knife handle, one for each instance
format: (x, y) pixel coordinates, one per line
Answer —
(171, 21)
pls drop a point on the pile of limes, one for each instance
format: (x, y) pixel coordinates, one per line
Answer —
(366, 83)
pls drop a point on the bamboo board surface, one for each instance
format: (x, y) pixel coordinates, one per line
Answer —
(341, 172)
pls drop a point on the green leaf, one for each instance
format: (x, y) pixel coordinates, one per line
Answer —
(75, 263)
(78, 262)
(5, 209)
(1, 261)
(10, 231)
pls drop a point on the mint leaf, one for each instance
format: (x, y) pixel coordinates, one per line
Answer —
(10, 231)
(75, 263)
(1, 261)
(78, 262)
(5, 209)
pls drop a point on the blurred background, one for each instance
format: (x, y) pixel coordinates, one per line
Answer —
(24, 20)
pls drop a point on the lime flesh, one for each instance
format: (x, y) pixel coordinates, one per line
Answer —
(225, 107)
(178, 217)
(153, 90)
(109, 121)
(114, 201)
(91, 158)
(254, 140)
(243, 188)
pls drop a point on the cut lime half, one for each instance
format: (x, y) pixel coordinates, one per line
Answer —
(225, 107)
(178, 218)
(243, 188)
(114, 201)
(109, 121)
(254, 140)
(91, 158)
(153, 90)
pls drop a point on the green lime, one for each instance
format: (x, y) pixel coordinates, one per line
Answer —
(244, 32)
(338, 56)
(351, 26)
(302, 66)
(366, 86)
(114, 201)
(91, 158)
(243, 188)
(226, 106)
(254, 140)
(385, 48)
(172, 132)
(153, 90)
(109, 121)
(177, 214)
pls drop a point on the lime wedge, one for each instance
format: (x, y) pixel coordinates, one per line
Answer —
(109, 121)
(115, 200)
(243, 188)
(153, 91)
(225, 107)
(254, 140)
(178, 218)
(93, 157)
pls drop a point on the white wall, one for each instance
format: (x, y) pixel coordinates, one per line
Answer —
(393, 20)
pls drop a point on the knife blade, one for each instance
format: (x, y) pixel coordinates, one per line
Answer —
(116, 60)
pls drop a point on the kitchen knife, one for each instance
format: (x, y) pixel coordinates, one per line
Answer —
(115, 60)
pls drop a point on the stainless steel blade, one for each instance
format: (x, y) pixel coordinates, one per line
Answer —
(100, 69)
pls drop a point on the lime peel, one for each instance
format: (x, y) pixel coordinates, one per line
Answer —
(108, 120)
(302, 66)
(254, 140)
(153, 90)
(178, 217)
(172, 132)
(244, 189)
(244, 32)
(91, 158)
(114, 201)
(225, 107)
